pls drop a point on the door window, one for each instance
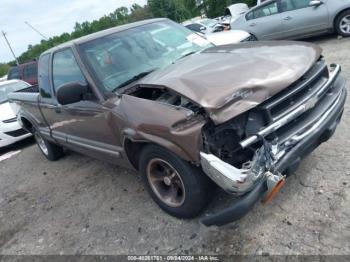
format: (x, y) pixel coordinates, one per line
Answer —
(43, 76)
(266, 10)
(65, 69)
(290, 5)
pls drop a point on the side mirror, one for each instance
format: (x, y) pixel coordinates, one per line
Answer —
(203, 28)
(315, 3)
(71, 93)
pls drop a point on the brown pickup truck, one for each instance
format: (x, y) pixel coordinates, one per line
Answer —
(187, 114)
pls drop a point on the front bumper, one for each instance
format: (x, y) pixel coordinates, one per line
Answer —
(317, 127)
(11, 133)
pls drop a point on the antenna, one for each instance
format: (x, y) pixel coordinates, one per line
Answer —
(8, 43)
(36, 30)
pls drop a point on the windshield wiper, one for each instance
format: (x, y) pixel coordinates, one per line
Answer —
(134, 78)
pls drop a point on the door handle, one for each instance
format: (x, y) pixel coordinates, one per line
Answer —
(288, 18)
(252, 24)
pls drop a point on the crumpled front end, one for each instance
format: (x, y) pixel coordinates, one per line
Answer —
(228, 80)
(277, 135)
(240, 181)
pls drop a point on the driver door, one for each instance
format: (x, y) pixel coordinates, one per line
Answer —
(84, 126)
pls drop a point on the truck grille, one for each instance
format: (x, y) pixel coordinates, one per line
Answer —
(289, 106)
(310, 85)
(16, 133)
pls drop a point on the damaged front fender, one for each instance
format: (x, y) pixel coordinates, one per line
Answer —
(172, 127)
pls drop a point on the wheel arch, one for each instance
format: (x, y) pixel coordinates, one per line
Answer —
(337, 16)
(133, 150)
(252, 34)
(26, 124)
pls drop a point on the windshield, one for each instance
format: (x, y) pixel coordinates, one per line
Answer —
(209, 22)
(9, 88)
(121, 58)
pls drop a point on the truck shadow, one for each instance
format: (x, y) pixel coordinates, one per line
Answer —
(17, 146)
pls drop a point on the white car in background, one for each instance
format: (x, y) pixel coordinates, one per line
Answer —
(204, 25)
(235, 11)
(232, 13)
(229, 37)
(217, 37)
(10, 130)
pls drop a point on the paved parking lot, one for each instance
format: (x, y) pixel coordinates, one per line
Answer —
(83, 206)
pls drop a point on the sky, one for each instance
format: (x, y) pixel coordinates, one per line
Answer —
(50, 17)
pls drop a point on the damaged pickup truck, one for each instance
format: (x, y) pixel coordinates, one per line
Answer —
(187, 114)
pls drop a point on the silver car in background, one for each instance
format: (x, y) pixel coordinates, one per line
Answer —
(295, 19)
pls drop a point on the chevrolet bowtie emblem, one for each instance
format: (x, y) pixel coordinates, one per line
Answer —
(311, 103)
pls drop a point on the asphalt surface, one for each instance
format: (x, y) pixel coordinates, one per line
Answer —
(83, 206)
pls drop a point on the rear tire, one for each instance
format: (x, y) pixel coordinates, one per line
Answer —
(178, 187)
(342, 24)
(50, 150)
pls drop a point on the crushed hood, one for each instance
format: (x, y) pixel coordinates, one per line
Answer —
(229, 80)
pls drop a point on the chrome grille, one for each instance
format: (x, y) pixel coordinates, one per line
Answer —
(310, 85)
(296, 100)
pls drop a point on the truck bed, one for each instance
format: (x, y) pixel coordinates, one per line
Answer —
(30, 89)
(28, 94)
(26, 103)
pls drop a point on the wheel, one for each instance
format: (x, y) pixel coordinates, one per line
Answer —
(343, 24)
(51, 151)
(178, 187)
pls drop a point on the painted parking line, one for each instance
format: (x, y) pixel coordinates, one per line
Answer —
(9, 155)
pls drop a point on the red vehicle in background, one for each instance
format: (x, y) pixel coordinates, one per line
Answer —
(27, 72)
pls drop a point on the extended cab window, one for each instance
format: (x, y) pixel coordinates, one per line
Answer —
(65, 69)
(43, 76)
(289, 5)
(30, 71)
(266, 10)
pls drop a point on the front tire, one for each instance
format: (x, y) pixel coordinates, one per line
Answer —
(178, 187)
(342, 24)
(51, 151)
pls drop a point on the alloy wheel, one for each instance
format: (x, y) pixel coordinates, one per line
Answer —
(41, 143)
(166, 182)
(345, 24)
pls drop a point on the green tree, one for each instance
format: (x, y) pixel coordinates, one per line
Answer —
(138, 13)
(193, 6)
(215, 8)
(173, 9)
(122, 15)
(4, 68)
